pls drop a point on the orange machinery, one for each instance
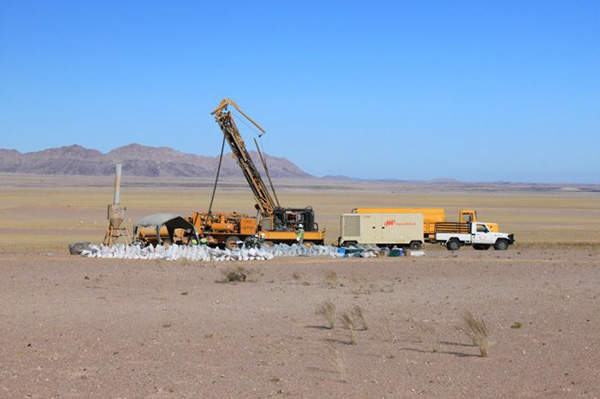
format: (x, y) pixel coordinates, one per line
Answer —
(273, 222)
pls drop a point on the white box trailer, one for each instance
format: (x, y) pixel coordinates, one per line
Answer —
(385, 229)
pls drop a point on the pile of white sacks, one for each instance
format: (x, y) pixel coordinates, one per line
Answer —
(207, 254)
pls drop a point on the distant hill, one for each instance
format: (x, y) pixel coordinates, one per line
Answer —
(137, 160)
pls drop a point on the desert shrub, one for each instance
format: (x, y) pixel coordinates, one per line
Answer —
(348, 323)
(389, 335)
(427, 334)
(328, 311)
(478, 331)
(239, 274)
(338, 361)
(331, 278)
(358, 314)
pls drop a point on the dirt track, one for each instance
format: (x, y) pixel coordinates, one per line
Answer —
(75, 327)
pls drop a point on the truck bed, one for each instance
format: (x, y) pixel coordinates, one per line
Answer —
(451, 227)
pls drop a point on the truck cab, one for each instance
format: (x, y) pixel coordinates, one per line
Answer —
(470, 216)
(477, 234)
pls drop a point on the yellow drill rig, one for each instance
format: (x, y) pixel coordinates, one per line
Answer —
(273, 223)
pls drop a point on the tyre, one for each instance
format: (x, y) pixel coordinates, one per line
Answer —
(481, 247)
(415, 245)
(453, 245)
(231, 242)
(501, 244)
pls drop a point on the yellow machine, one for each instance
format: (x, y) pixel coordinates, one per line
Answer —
(273, 223)
(431, 216)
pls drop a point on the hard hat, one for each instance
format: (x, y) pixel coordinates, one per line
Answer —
(300, 225)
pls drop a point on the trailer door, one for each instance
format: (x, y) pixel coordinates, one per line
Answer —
(370, 225)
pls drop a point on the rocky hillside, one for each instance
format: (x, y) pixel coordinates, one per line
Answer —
(137, 160)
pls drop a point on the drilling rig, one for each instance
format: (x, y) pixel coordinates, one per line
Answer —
(273, 223)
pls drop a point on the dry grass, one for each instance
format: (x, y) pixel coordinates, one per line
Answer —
(327, 309)
(238, 274)
(388, 332)
(427, 334)
(331, 278)
(358, 314)
(478, 331)
(337, 360)
(348, 323)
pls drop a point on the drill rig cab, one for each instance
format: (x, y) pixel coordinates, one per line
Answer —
(285, 219)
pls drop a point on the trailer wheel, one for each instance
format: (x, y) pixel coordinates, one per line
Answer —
(232, 242)
(481, 247)
(501, 244)
(415, 245)
(453, 245)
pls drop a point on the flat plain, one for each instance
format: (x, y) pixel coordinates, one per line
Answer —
(77, 327)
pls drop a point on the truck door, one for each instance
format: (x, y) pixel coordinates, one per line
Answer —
(482, 234)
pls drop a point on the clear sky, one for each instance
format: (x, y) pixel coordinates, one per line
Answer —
(478, 91)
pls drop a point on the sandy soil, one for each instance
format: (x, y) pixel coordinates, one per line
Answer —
(76, 327)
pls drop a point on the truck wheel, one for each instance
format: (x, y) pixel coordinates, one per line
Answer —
(415, 245)
(453, 245)
(501, 244)
(481, 247)
(231, 242)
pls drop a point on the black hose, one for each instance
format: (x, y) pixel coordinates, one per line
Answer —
(212, 197)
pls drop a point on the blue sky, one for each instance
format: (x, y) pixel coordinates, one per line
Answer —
(478, 91)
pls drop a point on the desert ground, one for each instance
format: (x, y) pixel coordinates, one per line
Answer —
(78, 327)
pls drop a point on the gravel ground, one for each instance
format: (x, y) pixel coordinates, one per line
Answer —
(101, 328)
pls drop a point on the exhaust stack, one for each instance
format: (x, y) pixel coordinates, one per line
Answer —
(116, 215)
(117, 196)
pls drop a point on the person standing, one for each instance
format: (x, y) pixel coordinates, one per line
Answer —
(300, 234)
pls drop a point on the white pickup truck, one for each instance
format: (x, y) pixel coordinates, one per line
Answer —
(476, 234)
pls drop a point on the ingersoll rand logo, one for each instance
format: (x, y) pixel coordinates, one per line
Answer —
(392, 222)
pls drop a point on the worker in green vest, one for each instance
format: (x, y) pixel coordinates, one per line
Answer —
(300, 234)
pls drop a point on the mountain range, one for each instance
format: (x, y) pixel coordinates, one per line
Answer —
(137, 160)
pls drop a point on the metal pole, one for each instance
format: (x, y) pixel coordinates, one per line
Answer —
(264, 163)
(117, 197)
